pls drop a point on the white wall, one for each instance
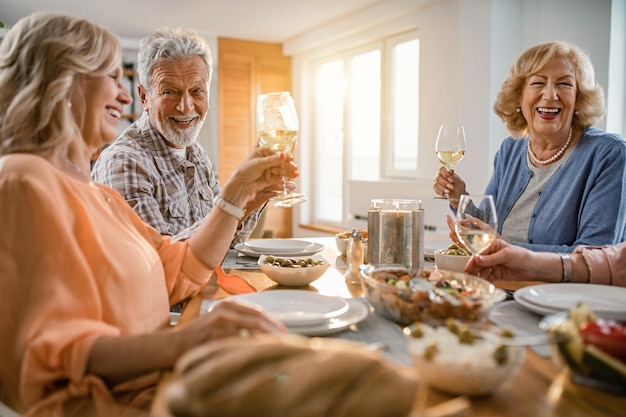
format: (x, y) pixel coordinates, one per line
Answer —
(466, 49)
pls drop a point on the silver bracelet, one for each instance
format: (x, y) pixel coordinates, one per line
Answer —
(568, 267)
(229, 208)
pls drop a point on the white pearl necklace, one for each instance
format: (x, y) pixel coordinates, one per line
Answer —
(553, 157)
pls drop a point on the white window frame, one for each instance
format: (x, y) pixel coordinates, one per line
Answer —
(387, 109)
(385, 45)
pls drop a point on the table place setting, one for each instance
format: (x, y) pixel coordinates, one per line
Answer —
(331, 309)
(311, 314)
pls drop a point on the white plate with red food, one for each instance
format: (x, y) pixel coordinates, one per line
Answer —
(605, 300)
(592, 347)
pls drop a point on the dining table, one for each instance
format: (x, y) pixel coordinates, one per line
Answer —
(540, 388)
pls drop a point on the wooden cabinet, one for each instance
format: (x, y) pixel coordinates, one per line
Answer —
(245, 70)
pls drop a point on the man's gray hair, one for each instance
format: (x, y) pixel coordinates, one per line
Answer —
(170, 44)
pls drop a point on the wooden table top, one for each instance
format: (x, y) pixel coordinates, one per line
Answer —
(539, 388)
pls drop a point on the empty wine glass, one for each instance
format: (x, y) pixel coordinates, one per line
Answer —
(277, 128)
(476, 222)
(450, 146)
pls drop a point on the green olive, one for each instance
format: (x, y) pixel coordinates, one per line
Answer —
(431, 351)
(501, 355)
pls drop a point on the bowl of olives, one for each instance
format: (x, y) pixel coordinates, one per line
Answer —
(454, 258)
(295, 271)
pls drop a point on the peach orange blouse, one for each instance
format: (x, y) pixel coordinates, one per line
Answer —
(76, 263)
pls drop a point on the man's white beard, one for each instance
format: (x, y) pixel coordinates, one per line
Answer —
(181, 138)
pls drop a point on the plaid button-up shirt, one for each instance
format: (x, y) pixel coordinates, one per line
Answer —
(171, 193)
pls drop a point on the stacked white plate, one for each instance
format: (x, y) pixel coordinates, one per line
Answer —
(308, 313)
(278, 247)
(605, 300)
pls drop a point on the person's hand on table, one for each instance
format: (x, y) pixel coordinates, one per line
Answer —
(230, 318)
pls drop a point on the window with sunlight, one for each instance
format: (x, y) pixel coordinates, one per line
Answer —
(404, 108)
(366, 119)
(329, 141)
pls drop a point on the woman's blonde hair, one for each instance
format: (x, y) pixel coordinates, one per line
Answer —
(590, 106)
(41, 58)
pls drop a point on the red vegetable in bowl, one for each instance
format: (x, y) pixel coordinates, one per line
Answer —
(608, 336)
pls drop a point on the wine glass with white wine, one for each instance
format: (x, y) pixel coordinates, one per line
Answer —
(476, 222)
(277, 129)
(450, 146)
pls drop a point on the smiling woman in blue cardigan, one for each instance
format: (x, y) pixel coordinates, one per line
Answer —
(558, 183)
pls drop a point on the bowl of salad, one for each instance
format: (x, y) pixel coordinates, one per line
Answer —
(431, 295)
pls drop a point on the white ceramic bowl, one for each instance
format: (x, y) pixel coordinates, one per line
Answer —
(473, 369)
(342, 244)
(291, 276)
(454, 263)
(341, 240)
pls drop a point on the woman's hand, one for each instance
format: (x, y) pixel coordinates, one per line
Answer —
(503, 261)
(449, 185)
(453, 236)
(118, 358)
(230, 318)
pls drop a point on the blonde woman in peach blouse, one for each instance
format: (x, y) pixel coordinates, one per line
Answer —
(86, 284)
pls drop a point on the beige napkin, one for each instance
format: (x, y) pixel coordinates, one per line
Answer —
(288, 376)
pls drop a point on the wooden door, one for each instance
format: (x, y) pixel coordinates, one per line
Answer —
(246, 69)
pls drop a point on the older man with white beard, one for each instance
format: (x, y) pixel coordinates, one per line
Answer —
(156, 163)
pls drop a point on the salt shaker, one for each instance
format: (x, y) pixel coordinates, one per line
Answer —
(354, 256)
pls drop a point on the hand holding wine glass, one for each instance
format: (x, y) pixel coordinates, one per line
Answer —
(277, 128)
(476, 222)
(450, 145)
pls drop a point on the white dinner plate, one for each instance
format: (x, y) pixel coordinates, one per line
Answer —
(278, 246)
(312, 250)
(357, 311)
(296, 307)
(605, 300)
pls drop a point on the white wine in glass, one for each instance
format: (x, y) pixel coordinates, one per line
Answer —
(277, 128)
(476, 222)
(450, 145)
